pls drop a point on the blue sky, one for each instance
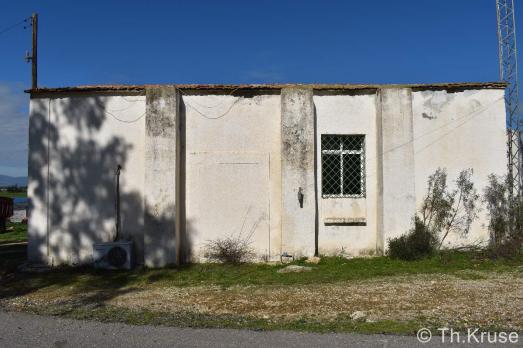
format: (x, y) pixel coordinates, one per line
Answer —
(98, 42)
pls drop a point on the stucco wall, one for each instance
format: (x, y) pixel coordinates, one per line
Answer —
(228, 154)
(348, 114)
(84, 142)
(233, 171)
(37, 188)
(456, 131)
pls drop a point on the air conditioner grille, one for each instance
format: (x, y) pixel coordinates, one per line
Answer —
(117, 256)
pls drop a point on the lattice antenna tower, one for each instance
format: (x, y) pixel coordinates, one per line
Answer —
(508, 72)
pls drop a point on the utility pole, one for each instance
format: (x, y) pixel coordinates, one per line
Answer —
(508, 72)
(33, 58)
(34, 55)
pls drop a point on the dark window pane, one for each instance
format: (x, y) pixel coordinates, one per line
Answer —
(330, 142)
(330, 173)
(352, 174)
(353, 142)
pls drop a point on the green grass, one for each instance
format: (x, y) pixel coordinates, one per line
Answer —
(22, 194)
(19, 233)
(329, 270)
(11, 255)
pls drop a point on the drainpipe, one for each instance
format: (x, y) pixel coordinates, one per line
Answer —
(117, 235)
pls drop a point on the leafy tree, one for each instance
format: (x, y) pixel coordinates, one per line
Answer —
(446, 211)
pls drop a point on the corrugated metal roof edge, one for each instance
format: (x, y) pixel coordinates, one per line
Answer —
(135, 88)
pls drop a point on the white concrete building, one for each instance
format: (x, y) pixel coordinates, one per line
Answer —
(297, 169)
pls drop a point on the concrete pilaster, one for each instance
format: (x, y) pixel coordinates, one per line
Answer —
(298, 171)
(397, 158)
(162, 115)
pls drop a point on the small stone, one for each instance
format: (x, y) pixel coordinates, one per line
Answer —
(315, 260)
(295, 269)
(358, 315)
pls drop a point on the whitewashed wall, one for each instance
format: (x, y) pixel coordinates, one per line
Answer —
(84, 142)
(233, 171)
(233, 167)
(456, 131)
(348, 114)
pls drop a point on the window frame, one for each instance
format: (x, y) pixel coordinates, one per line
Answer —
(341, 152)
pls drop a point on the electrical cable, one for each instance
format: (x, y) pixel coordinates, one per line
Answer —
(466, 118)
(213, 118)
(124, 121)
(133, 101)
(473, 113)
(125, 108)
(211, 106)
(110, 113)
(5, 30)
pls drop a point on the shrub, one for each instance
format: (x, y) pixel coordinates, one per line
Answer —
(418, 243)
(505, 217)
(229, 250)
(444, 211)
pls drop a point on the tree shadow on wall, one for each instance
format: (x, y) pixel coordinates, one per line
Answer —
(77, 137)
(84, 146)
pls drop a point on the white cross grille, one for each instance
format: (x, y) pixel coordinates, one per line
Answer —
(342, 165)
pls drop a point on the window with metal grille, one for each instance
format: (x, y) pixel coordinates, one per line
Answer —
(342, 165)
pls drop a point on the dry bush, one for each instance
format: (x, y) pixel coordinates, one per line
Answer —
(229, 250)
(234, 249)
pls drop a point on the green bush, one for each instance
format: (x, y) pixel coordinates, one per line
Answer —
(505, 213)
(418, 243)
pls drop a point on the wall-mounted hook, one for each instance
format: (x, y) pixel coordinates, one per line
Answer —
(300, 197)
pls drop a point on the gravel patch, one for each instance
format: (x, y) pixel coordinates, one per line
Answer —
(468, 298)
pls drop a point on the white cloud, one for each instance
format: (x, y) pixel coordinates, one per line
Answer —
(13, 129)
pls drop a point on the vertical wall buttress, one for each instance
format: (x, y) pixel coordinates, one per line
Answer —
(297, 132)
(397, 177)
(162, 115)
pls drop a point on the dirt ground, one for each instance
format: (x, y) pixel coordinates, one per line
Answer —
(468, 298)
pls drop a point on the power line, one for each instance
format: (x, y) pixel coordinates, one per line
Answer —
(5, 30)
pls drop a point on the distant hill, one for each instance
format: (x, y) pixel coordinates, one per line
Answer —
(6, 180)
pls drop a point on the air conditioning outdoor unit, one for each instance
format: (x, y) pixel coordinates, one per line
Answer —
(113, 255)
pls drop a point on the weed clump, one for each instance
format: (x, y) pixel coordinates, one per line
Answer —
(229, 250)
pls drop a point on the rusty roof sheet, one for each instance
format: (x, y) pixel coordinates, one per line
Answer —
(316, 86)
